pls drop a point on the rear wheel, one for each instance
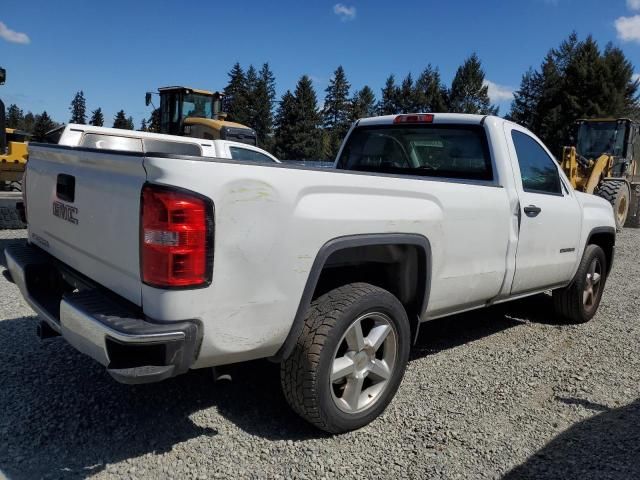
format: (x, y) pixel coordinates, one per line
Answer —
(616, 192)
(349, 359)
(579, 302)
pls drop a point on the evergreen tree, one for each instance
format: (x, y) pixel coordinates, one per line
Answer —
(251, 85)
(526, 98)
(78, 109)
(28, 122)
(121, 121)
(363, 104)
(285, 118)
(97, 118)
(42, 125)
(430, 94)
(15, 117)
(298, 133)
(143, 125)
(263, 98)
(153, 124)
(236, 96)
(336, 110)
(389, 102)
(406, 96)
(575, 80)
(469, 94)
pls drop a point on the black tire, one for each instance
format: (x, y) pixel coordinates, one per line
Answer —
(633, 219)
(569, 302)
(15, 187)
(306, 374)
(616, 192)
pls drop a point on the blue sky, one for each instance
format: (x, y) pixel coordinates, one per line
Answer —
(115, 51)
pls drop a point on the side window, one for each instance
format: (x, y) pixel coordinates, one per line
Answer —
(172, 148)
(246, 155)
(111, 142)
(538, 170)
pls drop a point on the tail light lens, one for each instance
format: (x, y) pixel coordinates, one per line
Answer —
(176, 238)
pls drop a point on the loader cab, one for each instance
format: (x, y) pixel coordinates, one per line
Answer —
(198, 113)
(613, 137)
(180, 103)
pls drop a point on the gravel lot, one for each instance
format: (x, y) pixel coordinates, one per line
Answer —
(501, 392)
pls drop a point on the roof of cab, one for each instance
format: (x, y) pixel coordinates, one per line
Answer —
(462, 118)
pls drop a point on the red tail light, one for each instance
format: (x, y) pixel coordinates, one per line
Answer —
(414, 118)
(176, 239)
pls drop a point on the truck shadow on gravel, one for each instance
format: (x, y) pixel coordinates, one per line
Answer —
(63, 415)
(604, 446)
(450, 332)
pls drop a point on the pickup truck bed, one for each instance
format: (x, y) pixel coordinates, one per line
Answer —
(216, 261)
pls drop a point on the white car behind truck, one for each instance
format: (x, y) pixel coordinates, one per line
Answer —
(102, 138)
(156, 263)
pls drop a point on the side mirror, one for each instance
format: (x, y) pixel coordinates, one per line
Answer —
(147, 99)
(3, 75)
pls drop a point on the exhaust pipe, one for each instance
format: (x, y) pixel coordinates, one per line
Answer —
(44, 331)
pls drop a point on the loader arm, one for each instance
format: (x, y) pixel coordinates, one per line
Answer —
(602, 163)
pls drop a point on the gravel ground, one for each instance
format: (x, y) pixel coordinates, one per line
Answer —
(500, 392)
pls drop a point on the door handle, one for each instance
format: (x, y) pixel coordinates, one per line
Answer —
(532, 211)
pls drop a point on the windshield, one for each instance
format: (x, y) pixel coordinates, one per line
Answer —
(596, 138)
(197, 105)
(452, 151)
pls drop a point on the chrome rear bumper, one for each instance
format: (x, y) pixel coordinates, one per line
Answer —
(96, 322)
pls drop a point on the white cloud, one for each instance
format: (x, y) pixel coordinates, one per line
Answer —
(13, 36)
(633, 4)
(635, 77)
(345, 13)
(628, 28)
(498, 93)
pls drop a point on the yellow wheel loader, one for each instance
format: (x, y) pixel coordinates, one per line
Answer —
(198, 113)
(604, 161)
(13, 157)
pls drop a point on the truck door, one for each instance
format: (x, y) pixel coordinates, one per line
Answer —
(549, 216)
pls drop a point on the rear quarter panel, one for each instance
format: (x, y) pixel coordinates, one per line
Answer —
(270, 223)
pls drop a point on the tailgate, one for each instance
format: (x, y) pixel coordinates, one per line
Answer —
(83, 207)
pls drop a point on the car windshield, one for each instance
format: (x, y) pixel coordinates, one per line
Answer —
(596, 138)
(452, 151)
(197, 105)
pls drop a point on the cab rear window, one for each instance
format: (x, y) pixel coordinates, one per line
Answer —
(446, 151)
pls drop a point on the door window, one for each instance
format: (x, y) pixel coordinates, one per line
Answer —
(538, 170)
(246, 155)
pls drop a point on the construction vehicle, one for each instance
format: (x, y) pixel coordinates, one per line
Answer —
(604, 160)
(13, 158)
(198, 113)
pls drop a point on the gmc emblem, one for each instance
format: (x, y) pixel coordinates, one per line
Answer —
(65, 212)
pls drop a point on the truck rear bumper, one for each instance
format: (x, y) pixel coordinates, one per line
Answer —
(135, 349)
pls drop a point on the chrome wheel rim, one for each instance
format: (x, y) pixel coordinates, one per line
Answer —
(363, 362)
(592, 284)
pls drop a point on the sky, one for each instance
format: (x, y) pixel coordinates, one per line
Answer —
(118, 50)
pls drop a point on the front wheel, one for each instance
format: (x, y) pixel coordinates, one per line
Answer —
(579, 302)
(349, 359)
(616, 192)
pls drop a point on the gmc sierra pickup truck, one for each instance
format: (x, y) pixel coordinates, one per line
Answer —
(154, 261)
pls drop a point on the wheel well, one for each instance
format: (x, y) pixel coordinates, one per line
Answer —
(399, 268)
(606, 241)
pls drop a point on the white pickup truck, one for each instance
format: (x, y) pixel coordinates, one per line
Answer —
(154, 262)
